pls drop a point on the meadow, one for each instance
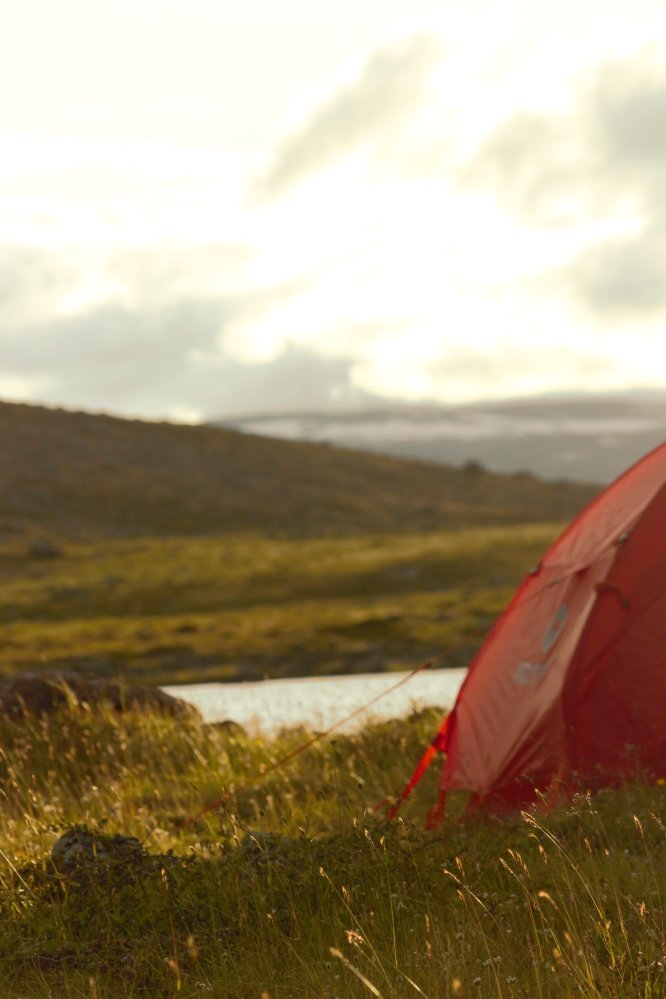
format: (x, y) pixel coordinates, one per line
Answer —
(227, 608)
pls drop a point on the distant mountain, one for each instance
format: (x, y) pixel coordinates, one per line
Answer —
(577, 438)
(83, 475)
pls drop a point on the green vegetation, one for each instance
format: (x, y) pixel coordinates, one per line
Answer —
(294, 888)
(188, 609)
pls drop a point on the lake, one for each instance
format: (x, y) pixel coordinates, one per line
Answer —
(319, 701)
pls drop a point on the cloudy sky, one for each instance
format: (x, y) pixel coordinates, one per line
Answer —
(215, 208)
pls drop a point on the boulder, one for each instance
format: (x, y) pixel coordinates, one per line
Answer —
(44, 548)
(94, 862)
(228, 727)
(44, 693)
(80, 846)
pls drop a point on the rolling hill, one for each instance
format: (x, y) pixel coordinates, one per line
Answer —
(82, 475)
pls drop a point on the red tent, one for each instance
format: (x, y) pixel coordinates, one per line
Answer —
(569, 689)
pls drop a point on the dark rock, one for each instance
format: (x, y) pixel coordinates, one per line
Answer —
(80, 846)
(44, 548)
(228, 727)
(44, 693)
(267, 847)
(95, 862)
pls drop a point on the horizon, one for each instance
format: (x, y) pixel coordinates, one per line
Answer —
(330, 209)
(371, 405)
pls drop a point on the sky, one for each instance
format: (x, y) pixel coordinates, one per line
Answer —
(214, 208)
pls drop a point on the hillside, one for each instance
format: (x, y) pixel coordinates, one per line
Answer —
(83, 476)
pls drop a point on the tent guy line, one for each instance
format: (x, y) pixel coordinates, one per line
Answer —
(432, 663)
(282, 760)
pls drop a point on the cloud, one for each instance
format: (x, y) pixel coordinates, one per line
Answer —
(149, 358)
(626, 111)
(536, 163)
(155, 274)
(519, 368)
(605, 159)
(17, 388)
(38, 285)
(621, 278)
(31, 281)
(612, 145)
(153, 329)
(164, 333)
(296, 381)
(391, 86)
(111, 356)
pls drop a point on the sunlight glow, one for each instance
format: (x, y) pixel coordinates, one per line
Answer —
(430, 241)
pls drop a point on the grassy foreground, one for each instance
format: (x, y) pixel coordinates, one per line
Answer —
(295, 888)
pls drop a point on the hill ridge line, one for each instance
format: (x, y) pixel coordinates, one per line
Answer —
(83, 475)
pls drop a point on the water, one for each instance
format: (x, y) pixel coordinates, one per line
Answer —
(319, 702)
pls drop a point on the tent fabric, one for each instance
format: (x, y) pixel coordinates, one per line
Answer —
(569, 688)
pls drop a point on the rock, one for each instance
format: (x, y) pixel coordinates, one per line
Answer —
(267, 847)
(79, 847)
(92, 860)
(44, 548)
(228, 727)
(44, 693)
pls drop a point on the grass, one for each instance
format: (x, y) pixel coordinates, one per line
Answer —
(295, 887)
(188, 609)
